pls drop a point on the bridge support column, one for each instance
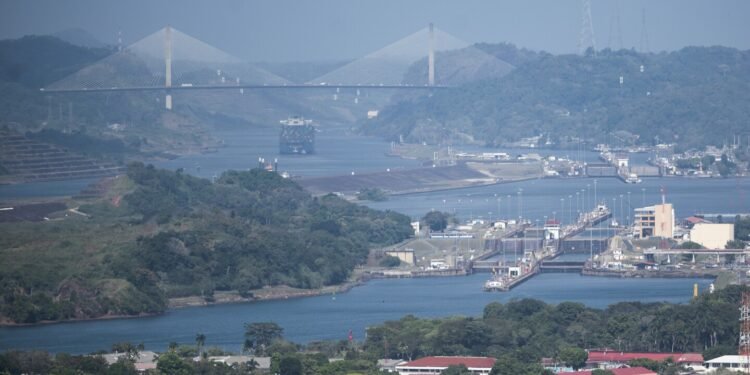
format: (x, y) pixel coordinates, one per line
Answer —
(693, 260)
(718, 259)
(168, 66)
(431, 58)
(669, 260)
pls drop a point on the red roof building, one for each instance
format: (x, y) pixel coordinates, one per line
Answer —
(434, 365)
(616, 371)
(614, 357)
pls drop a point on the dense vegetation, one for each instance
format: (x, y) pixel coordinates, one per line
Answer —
(695, 96)
(527, 330)
(518, 333)
(171, 234)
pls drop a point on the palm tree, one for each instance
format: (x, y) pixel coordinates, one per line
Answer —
(200, 339)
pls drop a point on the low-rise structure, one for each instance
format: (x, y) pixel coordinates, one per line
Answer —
(261, 363)
(609, 359)
(731, 362)
(435, 365)
(144, 360)
(616, 371)
(406, 255)
(712, 235)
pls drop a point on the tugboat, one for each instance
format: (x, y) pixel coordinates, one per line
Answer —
(297, 136)
(633, 179)
(495, 283)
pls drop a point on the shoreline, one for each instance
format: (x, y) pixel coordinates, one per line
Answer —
(285, 292)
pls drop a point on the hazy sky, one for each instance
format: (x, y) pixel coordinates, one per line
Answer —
(285, 30)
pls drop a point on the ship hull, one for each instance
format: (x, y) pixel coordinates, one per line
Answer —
(297, 139)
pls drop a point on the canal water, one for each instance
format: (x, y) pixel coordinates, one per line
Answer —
(331, 317)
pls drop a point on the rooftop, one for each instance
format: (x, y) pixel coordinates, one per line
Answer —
(443, 362)
(600, 356)
(616, 371)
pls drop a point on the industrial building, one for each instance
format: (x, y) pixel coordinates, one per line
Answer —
(654, 221)
(712, 235)
(435, 365)
(406, 255)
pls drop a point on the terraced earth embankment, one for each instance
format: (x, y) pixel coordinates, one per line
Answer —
(26, 160)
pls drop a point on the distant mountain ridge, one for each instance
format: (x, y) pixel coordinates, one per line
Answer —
(79, 37)
(695, 96)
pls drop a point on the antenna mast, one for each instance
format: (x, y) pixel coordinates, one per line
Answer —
(644, 32)
(586, 40)
(744, 344)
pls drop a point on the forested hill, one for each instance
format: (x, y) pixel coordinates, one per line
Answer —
(161, 234)
(694, 96)
(36, 61)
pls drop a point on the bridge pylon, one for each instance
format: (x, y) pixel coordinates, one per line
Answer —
(168, 66)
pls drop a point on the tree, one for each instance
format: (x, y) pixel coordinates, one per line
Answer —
(510, 365)
(290, 365)
(690, 245)
(390, 261)
(171, 364)
(260, 335)
(128, 348)
(123, 366)
(200, 340)
(735, 244)
(436, 220)
(573, 357)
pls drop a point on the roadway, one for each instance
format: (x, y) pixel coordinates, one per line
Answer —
(247, 87)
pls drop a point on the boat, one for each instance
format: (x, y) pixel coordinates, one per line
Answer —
(495, 283)
(297, 136)
(633, 179)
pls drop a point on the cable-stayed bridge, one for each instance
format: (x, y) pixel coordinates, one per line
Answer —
(169, 61)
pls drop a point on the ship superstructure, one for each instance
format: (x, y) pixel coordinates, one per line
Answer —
(297, 136)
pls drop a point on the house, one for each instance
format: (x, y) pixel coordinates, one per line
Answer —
(145, 360)
(434, 365)
(389, 365)
(616, 371)
(262, 363)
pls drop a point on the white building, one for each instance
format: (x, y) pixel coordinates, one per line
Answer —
(732, 362)
(712, 235)
(435, 365)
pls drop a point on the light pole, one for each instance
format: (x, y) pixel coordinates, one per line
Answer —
(630, 208)
(570, 209)
(510, 213)
(643, 196)
(595, 197)
(520, 205)
(562, 211)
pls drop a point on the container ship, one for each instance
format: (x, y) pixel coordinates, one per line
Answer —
(297, 136)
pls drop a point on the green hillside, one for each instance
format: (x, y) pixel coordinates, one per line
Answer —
(159, 234)
(694, 97)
